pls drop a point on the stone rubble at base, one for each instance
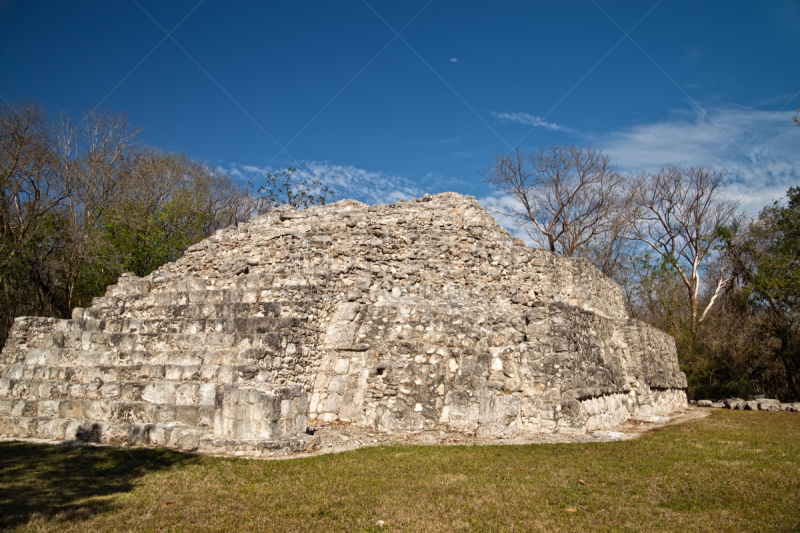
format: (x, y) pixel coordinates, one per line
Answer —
(759, 404)
(413, 316)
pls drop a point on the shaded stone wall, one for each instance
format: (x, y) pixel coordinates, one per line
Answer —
(409, 316)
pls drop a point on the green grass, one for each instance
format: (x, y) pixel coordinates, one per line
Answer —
(734, 471)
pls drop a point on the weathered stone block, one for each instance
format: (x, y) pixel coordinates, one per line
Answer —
(70, 409)
(47, 408)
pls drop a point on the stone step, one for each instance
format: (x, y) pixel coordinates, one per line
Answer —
(169, 435)
(84, 333)
(254, 333)
(130, 355)
(153, 392)
(149, 302)
(139, 350)
(182, 324)
(181, 305)
(156, 392)
(131, 285)
(143, 372)
(156, 299)
(259, 412)
(237, 412)
(289, 280)
(263, 370)
(111, 411)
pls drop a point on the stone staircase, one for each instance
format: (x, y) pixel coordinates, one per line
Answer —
(181, 364)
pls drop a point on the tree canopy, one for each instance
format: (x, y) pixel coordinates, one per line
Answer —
(81, 202)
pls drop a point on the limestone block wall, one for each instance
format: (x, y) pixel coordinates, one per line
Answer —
(413, 315)
(159, 368)
(501, 372)
(260, 413)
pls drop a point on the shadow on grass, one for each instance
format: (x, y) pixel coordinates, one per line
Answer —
(52, 482)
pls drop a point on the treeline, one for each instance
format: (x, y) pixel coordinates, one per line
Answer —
(725, 286)
(83, 201)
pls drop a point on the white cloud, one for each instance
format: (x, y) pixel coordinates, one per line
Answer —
(498, 204)
(437, 182)
(529, 120)
(250, 169)
(372, 187)
(763, 170)
(453, 60)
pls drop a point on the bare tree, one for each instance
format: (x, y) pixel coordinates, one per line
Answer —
(565, 197)
(81, 202)
(94, 154)
(679, 212)
(31, 186)
(286, 189)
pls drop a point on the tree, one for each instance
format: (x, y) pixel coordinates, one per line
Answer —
(566, 198)
(167, 202)
(678, 213)
(95, 155)
(33, 192)
(285, 189)
(767, 261)
(31, 184)
(81, 203)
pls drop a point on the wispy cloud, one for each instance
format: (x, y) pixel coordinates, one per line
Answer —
(765, 168)
(438, 182)
(347, 181)
(529, 120)
(767, 165)
(499, 205)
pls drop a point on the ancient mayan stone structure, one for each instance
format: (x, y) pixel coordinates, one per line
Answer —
(401, 317)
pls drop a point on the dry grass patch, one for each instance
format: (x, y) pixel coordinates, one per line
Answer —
(734, 471)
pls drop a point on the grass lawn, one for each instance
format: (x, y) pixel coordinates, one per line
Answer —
(733, 471)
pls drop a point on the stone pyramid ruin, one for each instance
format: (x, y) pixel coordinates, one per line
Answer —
(411, 316)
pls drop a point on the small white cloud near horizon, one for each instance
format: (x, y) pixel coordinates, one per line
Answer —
(530, 120)
(453, 60)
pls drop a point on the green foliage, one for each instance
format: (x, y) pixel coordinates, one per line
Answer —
(286, 189)
(767, 256)
(80, 206)
(774, 246)
(171, 209)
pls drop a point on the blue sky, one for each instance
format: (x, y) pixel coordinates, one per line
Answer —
(330, 87)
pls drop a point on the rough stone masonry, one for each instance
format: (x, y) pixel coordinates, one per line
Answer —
(411, 316)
